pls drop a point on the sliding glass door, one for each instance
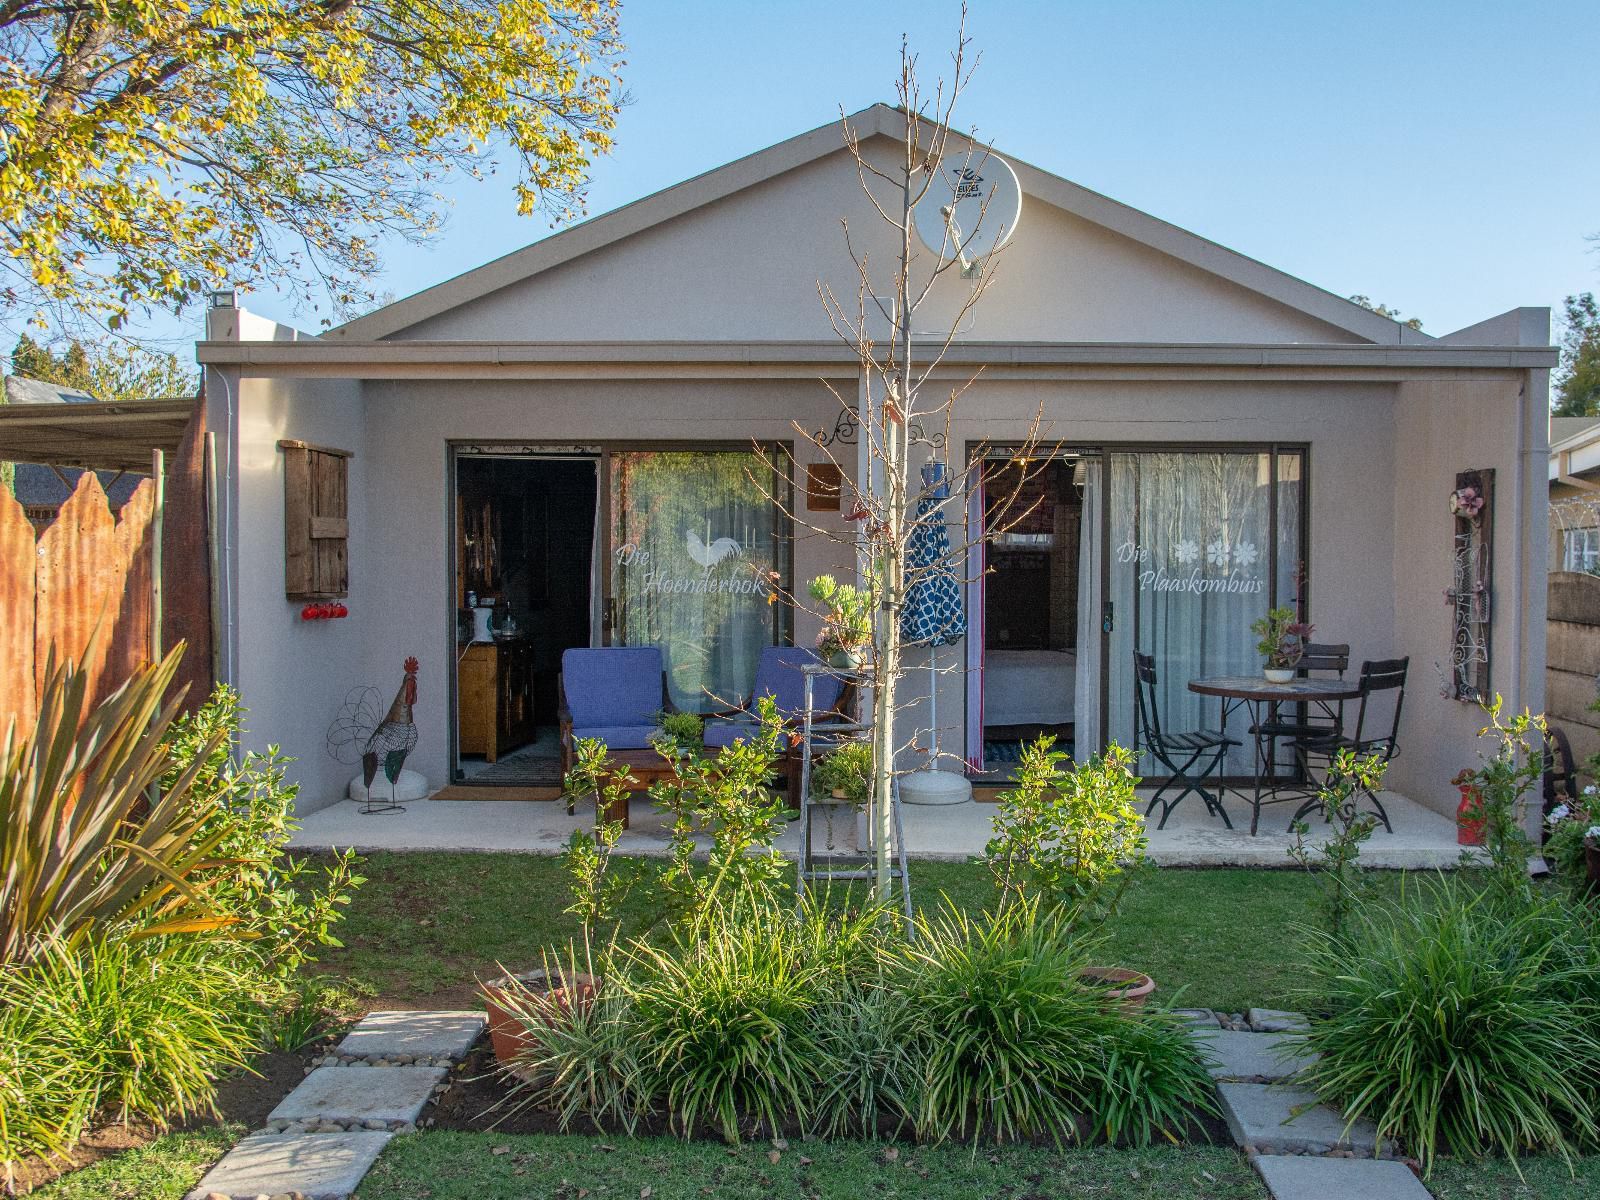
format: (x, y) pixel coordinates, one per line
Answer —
(697, 545)
(1199, 545)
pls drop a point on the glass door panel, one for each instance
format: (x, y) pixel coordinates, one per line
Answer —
(1200, 544)
(697, 546)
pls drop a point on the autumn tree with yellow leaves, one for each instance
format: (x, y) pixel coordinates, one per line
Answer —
(153, 149)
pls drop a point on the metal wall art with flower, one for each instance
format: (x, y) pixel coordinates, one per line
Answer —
(1471, 505)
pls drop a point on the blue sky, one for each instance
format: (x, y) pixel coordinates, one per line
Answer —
(1441, 157)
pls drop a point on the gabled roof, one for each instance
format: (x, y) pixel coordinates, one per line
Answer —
(878, 120)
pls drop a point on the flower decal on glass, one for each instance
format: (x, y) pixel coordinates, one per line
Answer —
(1244, 554)
(1187, 551)
(1217, 553)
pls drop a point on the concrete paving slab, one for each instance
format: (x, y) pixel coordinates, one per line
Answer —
(1422, 838)
(1273, 1020)
(1263, 1116)
(1252, 1057)
(393, 1095)
(1302, 1177)
(412, 1035)
(318, 1166)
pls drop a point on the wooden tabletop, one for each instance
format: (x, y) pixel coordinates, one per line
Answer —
(1259, 687)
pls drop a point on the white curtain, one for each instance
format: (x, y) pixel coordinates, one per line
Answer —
(1191, 569)
(1086, 700)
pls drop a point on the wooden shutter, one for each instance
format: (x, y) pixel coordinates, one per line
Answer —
(316, 526)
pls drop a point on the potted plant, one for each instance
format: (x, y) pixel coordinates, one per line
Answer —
(1572, 839)
(681, 733)
(1283, 641)
(846, 612)
(517, 1005)
(845, 773)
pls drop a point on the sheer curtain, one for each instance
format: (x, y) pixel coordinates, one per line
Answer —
(1192, 564)
(693, 542)
(1086, 698)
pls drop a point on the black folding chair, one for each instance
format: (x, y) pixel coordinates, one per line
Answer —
(1328, 659)
(1369, 737)
(1178, 752)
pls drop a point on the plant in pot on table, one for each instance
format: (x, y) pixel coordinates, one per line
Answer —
(1282, 643)
(1069, 837)
(846, 612)
(1572, 840)
(844, 773)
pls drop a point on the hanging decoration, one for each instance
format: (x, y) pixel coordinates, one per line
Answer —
(1472, 507)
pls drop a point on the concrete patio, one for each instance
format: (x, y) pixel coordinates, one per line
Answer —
(1421, 839)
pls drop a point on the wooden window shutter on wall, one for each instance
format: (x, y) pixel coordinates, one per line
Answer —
(316, 526)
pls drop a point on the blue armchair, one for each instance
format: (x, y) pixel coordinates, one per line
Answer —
(778, 675)
(614, 693)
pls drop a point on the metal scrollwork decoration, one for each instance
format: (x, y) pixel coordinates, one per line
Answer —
(1472, 506)
(847, 428)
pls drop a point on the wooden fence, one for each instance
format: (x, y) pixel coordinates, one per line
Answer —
(89, 568)
(1572, 658)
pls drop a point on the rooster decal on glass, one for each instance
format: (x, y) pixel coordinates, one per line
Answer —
(709, 553)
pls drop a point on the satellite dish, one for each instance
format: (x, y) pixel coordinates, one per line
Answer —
(965, 188)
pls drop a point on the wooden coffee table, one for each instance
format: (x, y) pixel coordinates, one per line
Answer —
(647, 766)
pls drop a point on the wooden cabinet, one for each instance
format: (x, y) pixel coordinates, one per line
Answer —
(494, 696)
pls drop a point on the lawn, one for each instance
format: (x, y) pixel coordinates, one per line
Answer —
(164, 1169)
(479, 1166)
(1495, 1179)
(426, 924)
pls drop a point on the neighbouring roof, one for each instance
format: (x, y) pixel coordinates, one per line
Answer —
(22, 390)
(878, 120)
(40, 486)
(1563, 429)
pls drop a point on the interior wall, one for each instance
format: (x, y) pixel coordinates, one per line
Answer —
(293, 674)
(1442, 428)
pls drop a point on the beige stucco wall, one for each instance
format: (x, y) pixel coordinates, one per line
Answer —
(748, 267)
(293, 674)
(1442, 428)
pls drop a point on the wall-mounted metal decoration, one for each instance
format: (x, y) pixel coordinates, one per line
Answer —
(1472, 506)
(847, 428)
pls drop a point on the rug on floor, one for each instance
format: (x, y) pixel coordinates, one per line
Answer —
(518, 770)
(470, 791)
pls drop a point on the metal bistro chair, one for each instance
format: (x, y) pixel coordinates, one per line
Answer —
(1325, 658)
(1178, 752)
(1369, 737)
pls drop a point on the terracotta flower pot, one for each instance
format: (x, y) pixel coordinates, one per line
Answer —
(509, 1034)
(1128, 988)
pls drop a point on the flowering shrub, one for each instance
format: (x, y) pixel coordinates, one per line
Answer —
(1569, 825)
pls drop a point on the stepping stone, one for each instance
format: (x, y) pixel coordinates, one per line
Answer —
(1264, 1116)
(417, 1034)
(393, 1095)
(1201, 1017)
(1253, 1057)
(1272, 1020)
(1298, 1177)
(319, 1166)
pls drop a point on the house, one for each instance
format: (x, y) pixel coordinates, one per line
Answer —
(42, 488)
(572, 438)
(1575, 493)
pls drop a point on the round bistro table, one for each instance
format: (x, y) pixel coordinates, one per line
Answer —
(1258, 694)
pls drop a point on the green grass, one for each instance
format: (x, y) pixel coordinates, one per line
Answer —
(464, 1166)
(428, 922)
(163, 1170)
(1495, 1179)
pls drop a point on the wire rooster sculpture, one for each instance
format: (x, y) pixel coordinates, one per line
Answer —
(385, 743)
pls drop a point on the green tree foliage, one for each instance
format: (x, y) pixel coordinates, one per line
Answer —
(154, 150)
(1577, 379)
(110, 370)
(1383, 310)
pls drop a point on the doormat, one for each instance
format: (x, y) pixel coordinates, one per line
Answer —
(519, 770)
(468, 791)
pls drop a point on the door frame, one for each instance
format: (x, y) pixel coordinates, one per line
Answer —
(974, 451)
(598, 451)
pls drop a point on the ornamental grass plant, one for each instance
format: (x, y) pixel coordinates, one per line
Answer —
(1462, 1023)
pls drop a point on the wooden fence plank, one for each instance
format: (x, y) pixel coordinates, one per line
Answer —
(18, 555)
(186, 565)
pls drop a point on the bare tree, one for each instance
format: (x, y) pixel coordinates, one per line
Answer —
(906, 395)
